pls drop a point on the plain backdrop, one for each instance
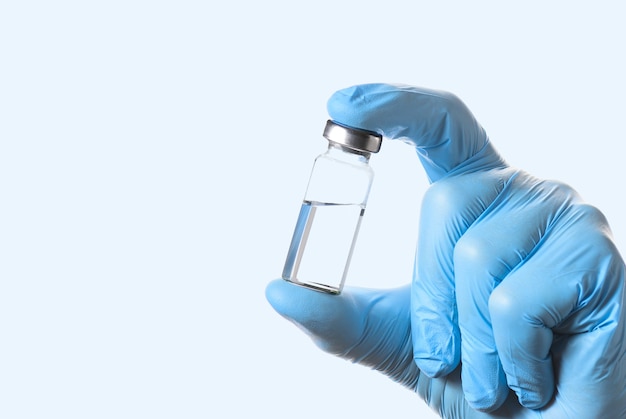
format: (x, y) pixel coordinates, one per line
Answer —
(153, 156)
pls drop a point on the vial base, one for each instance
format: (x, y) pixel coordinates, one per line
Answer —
(322, 245)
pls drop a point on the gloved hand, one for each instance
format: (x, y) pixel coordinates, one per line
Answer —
(519, 268)
(373, 328)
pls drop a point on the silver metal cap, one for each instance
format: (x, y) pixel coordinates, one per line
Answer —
(353, 138)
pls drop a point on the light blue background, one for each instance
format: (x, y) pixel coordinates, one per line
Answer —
(153, 155)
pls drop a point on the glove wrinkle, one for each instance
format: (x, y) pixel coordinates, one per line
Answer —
(391, 351)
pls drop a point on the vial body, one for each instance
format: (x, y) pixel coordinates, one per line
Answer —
(330, 217)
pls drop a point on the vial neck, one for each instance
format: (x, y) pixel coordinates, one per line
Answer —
(344, 153)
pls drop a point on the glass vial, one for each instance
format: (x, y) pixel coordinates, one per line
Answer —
(333, 207)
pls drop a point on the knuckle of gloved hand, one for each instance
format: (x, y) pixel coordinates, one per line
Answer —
(447, 196)
(474, 253)
(503, 304)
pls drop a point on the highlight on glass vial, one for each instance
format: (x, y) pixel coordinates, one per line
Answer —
(332, 209)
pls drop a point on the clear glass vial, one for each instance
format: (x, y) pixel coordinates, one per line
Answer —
(333, 207)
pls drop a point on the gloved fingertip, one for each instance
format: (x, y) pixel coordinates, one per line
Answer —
(284, 296)
(342, 107)
(274, 293)
(361, 106)
(436, 342)
(308, 308)
(534, 399)
(486, 401)
(435, 368)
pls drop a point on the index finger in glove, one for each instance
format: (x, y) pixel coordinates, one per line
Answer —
(447, 137)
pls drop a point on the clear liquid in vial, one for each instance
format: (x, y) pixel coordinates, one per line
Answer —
(322, 245)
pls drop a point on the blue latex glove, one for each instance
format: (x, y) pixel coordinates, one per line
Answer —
(520, 268)
(373, 328)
